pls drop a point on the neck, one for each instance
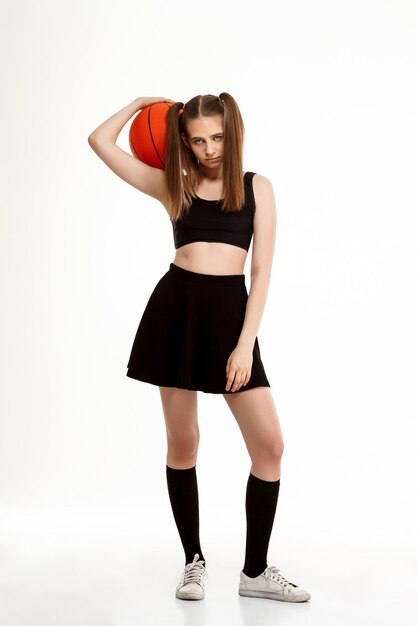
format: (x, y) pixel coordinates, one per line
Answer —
(209, 173)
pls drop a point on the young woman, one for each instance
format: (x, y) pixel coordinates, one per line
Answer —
(198, 331)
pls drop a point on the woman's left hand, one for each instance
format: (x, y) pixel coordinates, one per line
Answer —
(239, 367)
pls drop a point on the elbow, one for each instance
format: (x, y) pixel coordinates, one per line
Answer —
(261, 274)
(94, 142)
(95, 137)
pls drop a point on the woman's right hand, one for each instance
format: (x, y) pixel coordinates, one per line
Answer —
(146, 101)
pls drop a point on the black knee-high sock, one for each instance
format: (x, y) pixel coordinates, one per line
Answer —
(183, 494)
(261, 504)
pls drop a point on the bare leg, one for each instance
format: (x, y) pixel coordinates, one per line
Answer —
(256, 415)
(183, 436)
(180, 412)
(257, 418)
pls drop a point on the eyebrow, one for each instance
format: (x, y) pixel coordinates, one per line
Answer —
(219, 133)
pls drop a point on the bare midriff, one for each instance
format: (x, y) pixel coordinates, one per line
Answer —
(211, 257)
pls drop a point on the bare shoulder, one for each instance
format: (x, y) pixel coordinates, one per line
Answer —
(263, 191)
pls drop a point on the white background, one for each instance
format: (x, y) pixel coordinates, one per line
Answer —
(328, 95)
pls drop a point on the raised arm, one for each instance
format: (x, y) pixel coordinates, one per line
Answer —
(149, 180)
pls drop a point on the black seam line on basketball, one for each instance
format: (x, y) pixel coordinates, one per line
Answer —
(151, 136)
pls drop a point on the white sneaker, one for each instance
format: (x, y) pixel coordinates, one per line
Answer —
(271, 584)
(193, 580)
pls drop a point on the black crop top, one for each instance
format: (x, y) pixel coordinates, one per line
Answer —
(205, 221)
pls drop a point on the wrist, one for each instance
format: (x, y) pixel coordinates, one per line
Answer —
(246, 342)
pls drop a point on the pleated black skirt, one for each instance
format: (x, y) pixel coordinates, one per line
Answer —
(190, 326)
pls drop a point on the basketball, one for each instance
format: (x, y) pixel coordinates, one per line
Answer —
(147, 134)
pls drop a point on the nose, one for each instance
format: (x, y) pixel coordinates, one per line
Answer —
(210, 152)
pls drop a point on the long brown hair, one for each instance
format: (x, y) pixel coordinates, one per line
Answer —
(180, 163)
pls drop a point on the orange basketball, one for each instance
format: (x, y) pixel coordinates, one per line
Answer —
(147, 134)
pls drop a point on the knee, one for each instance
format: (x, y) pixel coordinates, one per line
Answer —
(275, 451)
(271, 451)
(183, 446)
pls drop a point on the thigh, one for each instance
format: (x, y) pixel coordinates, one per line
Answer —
(180, 412)
(256, 415)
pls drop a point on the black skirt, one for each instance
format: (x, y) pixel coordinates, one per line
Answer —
(189, 328)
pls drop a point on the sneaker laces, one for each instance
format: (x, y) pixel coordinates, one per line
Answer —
(273, 572)
(193, 571)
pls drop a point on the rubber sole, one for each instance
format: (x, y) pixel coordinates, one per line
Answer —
(188, 596)
(273, 596)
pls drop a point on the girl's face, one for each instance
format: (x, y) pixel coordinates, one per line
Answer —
(204, 138)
